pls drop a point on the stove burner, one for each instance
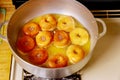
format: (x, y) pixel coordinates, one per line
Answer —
(29, 76)
(73, 77)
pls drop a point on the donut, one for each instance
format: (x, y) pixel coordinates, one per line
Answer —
(79, 36)
(48, 22)
(66, 23)
(25, 43)
(38, 56)
(75, 53)
(43, 38)
(31, 29)
(61, 38)
(58, 61)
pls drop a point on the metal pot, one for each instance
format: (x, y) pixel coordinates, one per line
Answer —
(34, 8)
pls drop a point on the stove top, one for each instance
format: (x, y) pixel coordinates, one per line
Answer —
(18, 73)
(104, 64)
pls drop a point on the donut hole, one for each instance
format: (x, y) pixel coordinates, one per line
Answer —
(75, 52)
(60, 37)
(38, 55)
(47, 20)
(31, 28)
(64, 23)
(78, 35)
(43, 38)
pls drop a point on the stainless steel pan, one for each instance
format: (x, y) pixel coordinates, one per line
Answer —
(35, 8)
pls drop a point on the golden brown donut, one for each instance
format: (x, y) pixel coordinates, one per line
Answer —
(48, 22)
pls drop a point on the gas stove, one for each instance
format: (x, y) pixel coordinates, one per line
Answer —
(18, 73)
(104, 64)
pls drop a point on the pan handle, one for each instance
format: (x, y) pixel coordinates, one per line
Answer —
(103, 27)
(1, 35)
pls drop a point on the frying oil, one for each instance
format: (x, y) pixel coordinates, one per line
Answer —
(53, 50)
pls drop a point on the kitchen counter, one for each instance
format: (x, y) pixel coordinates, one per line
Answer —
(105, 62)
(6, 10)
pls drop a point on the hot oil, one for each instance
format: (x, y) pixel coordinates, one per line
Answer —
(53, 50)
